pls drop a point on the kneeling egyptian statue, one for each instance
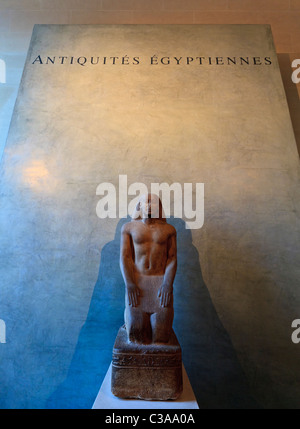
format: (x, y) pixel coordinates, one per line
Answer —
(146, 360)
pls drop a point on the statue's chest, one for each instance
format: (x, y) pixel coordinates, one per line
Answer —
(149, 236)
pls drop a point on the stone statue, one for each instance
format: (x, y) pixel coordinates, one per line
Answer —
(146, 360)
(148, 264)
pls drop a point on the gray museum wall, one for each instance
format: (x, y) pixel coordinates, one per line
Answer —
(18, 17)
(76, 126)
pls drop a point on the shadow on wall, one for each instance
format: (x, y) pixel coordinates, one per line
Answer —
(208, 355)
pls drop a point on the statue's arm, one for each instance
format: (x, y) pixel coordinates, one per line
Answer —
(127, 266)
(166, 290)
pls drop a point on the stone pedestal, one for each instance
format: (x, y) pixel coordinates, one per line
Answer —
(149, 372)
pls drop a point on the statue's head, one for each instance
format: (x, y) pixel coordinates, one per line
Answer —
(149, 206)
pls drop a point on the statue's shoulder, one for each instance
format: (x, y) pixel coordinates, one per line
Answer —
(170, 228)
(128, 227)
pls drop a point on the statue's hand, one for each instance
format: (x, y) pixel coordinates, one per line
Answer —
(133, 293)
(165, 294)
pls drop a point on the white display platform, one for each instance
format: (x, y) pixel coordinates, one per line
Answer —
(106, 400)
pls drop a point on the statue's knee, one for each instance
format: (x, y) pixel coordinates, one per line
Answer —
(135, 334)
(137, 327)
(162, 325)
(160, 336)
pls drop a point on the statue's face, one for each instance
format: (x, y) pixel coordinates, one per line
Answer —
(150, 206)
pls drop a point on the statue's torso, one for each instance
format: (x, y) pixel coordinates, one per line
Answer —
(150, 246)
